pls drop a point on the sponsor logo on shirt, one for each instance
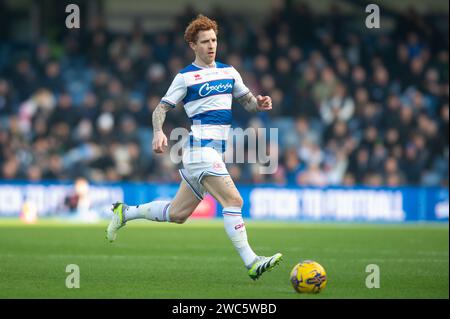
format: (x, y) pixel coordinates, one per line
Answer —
(206, 89)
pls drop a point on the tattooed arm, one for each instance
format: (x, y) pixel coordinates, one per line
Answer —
(159, 139)
(254, 104)
(159, 115)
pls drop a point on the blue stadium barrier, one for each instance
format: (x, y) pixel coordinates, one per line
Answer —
(267, 202)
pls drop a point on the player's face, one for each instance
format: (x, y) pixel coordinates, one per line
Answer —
(206, 46)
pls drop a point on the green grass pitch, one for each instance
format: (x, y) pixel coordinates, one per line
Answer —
(196, 260)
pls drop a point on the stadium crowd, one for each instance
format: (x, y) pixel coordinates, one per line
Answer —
(353, 106)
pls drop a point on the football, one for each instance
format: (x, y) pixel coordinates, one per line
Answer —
(308, 277)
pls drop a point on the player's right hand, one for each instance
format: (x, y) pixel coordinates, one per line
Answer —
(159, 142)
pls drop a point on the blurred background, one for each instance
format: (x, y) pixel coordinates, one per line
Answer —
(362, 113)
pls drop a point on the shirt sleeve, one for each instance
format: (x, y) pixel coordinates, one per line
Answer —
(239, 89)
(176, 91)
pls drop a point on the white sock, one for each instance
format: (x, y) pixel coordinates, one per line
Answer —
(157, 211)
(235, 229)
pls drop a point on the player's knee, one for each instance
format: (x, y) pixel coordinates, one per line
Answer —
(234, 201)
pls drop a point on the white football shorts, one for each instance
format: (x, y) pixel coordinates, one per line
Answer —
(199, 162)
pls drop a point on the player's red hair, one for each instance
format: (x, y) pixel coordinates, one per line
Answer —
(201, 23)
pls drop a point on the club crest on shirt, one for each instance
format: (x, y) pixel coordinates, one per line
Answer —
(217, 165)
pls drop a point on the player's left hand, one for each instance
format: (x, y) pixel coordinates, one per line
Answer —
(264, 103)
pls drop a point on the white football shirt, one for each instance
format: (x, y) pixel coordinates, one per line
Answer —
(207, 94)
